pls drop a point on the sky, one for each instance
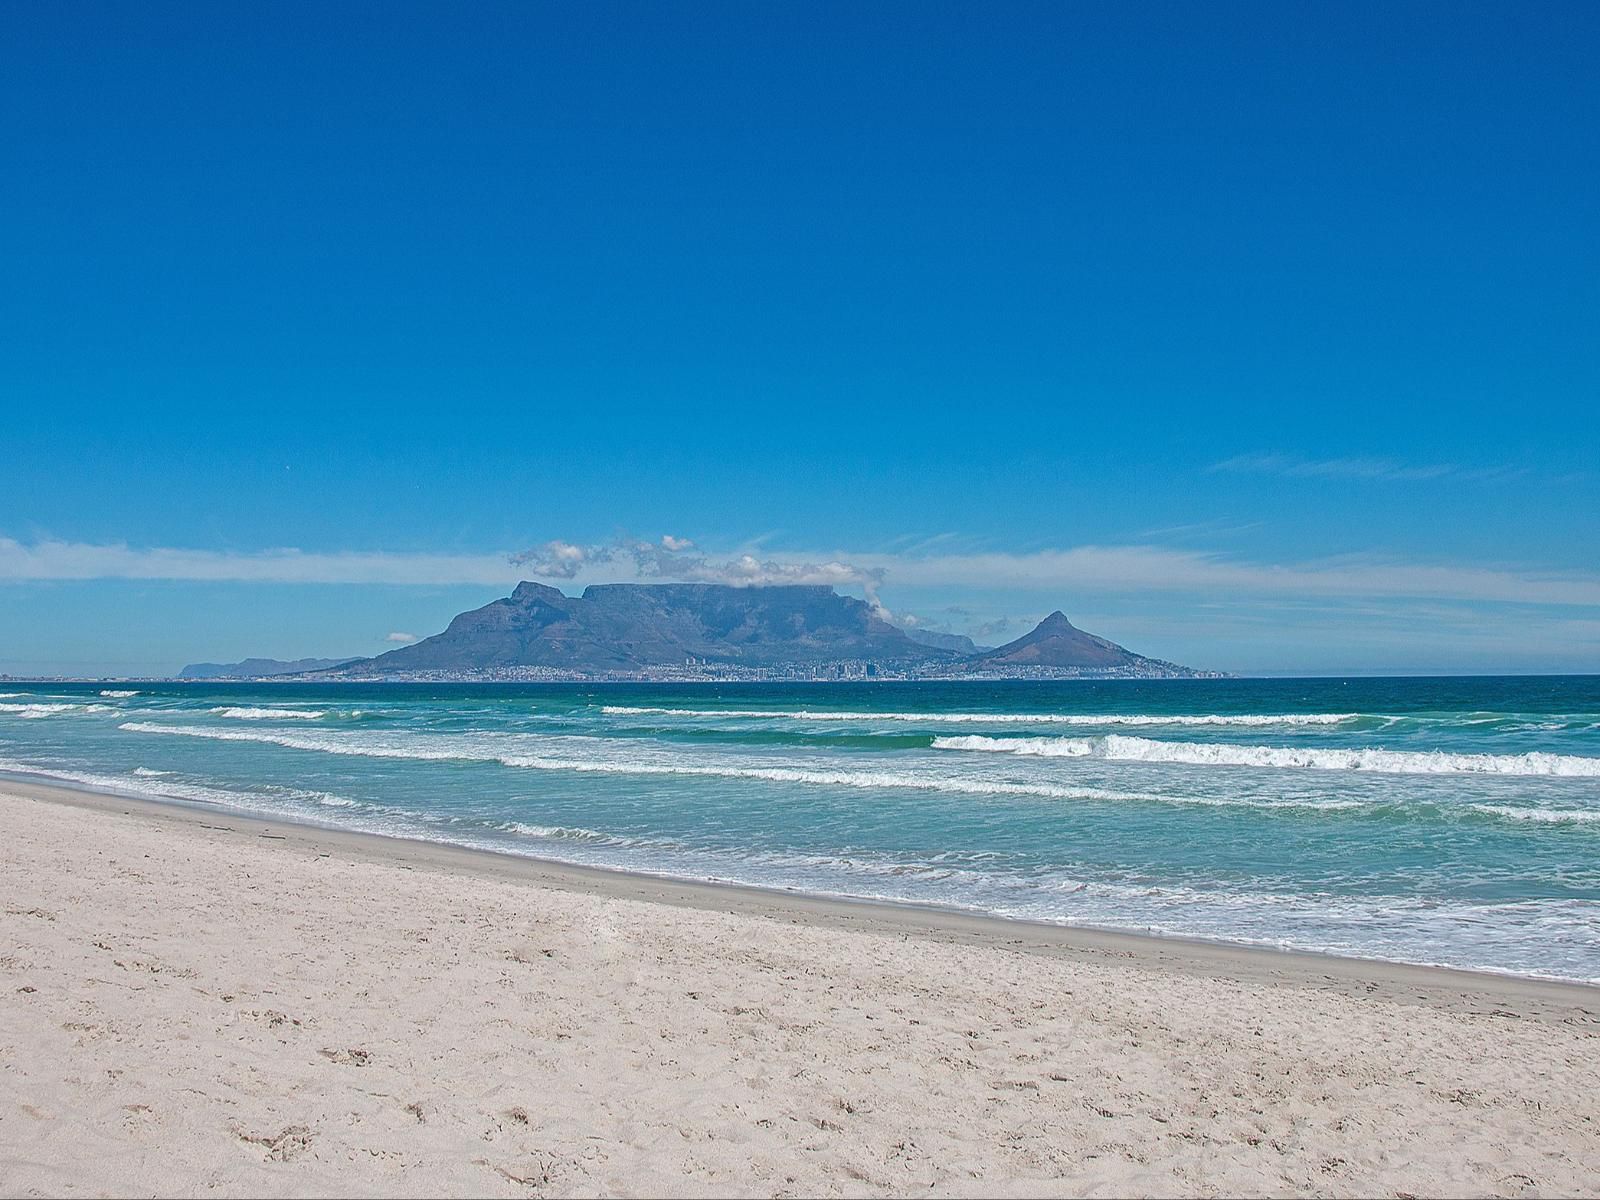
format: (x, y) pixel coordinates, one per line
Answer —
(1259, 337)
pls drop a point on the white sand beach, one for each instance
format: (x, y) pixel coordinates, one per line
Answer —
(204, 1004)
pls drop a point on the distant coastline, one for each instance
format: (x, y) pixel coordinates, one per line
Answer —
(714, 633)
(844, 671)
(841, 672)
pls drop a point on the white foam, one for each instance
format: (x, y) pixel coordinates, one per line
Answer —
(31, 712)
(333, 801)
(116, 783)
(1552, 816)
(1033, 747)
(445, 747)
(448, 749)
(1092, 719)
(174, 790)
(1403, 762)
(269, 714)
(115, 695)
(572, 832)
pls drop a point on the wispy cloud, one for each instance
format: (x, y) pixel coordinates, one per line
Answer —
(918, 543)
(402, 638)
(1386, 470)
(1165, 569)
(1201, 529)
(1064, 572)
(51, 559)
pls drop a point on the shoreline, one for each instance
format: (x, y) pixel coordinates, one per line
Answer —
(196, 1002)
(1409, 983)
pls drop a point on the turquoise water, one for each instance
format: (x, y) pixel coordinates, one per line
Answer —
(1428, 820)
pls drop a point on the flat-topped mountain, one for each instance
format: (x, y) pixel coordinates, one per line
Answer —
(629, 627)
(685, 630)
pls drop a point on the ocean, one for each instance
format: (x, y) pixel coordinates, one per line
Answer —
(1452, 821)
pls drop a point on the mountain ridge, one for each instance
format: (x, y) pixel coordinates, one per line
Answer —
(625, 626)
(702, 630)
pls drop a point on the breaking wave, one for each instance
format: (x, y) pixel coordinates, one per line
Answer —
(269, 714)
(448, 749)
(563, 832)
(1549, 816)
(34, 711)
(169, 789)
(1400, 762)
(974, 718)
(116, 695)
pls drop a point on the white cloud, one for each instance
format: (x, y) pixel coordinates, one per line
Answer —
(560, 560)
(678, 559)
(747, 569)
(402, 638)
(1066, 572)
(1162, 569)
(81, 560)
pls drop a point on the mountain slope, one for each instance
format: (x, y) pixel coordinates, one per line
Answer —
(693, 631)
(959, 642)
(1056, 643)
(626, 627)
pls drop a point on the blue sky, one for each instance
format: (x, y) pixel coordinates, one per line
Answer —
(1260, 337)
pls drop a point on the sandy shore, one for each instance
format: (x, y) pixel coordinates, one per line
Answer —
(194, 1003)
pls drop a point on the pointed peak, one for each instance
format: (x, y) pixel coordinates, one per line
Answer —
(1055, 622)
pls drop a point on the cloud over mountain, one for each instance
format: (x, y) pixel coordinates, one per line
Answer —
(680, 560)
